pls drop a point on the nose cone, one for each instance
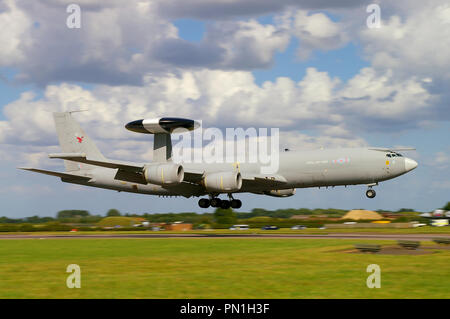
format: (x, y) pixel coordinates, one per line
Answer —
(410, 164)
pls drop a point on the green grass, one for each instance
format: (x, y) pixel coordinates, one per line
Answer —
(214, 268)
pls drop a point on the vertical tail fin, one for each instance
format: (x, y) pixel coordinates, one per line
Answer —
(73, 139)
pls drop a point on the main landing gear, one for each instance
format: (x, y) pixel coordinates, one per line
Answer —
(370, 193)
(215, 201)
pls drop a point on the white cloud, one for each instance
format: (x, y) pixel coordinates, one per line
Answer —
(14, 33)
(248, 43)
(417, 42)
(121, 43)
(226, 99)
(317, 32)
(219, 98)
(141, 46)
(381, 95)
(226, 9)
(298, 141)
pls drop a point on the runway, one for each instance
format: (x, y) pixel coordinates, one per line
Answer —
(416, 237)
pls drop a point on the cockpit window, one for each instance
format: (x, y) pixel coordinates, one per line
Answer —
(394, 155)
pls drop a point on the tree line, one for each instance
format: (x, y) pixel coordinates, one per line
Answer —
(220, 216)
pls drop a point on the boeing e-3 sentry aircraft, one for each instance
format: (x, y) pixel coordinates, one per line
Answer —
(86, 165)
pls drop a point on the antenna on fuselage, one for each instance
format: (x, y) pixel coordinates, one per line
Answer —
(76, 111)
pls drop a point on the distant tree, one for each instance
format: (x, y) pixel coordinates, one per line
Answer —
(259, 219)
(113, 212)
(447, 207)
(90, 219)
(401, 210)
(26, 227)
(205, 220)
(72, 213)
(225, 216)
(7, 220)
(37, 219)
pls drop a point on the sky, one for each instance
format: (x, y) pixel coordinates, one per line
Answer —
(323, 72)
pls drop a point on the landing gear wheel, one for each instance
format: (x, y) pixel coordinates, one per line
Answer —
(370, 193)
(236, 203)
(225, 204)
(204, 203)
(215, 202)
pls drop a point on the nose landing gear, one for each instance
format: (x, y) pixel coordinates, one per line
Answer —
(370, 193)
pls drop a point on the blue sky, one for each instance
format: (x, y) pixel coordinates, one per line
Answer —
(347, 86)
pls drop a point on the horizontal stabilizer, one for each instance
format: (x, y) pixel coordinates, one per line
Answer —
(394, 149)
(81, 158)
(57, 174)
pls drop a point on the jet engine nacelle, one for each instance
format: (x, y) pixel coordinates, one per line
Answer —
(280, 192)
(164, 174)
(223, 182)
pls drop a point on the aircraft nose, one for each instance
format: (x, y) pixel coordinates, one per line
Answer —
(410, 164)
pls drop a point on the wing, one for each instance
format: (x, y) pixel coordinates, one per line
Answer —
(193, 176)
(248, 179)
(262, 180)
(133, 172)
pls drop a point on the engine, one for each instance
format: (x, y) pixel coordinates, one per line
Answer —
(223, 182)
(280, 192)
(164, 174)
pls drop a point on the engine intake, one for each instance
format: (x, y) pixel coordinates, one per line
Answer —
(164, 174)
(223, 182)
(280, 192)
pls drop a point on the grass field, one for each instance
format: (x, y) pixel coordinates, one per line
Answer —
(214, 268)
(317, 231)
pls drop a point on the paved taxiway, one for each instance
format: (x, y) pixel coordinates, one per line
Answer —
(293, 236)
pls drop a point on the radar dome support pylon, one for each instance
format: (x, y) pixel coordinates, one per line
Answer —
(162, 128)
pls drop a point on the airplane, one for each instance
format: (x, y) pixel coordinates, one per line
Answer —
(86, 165)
